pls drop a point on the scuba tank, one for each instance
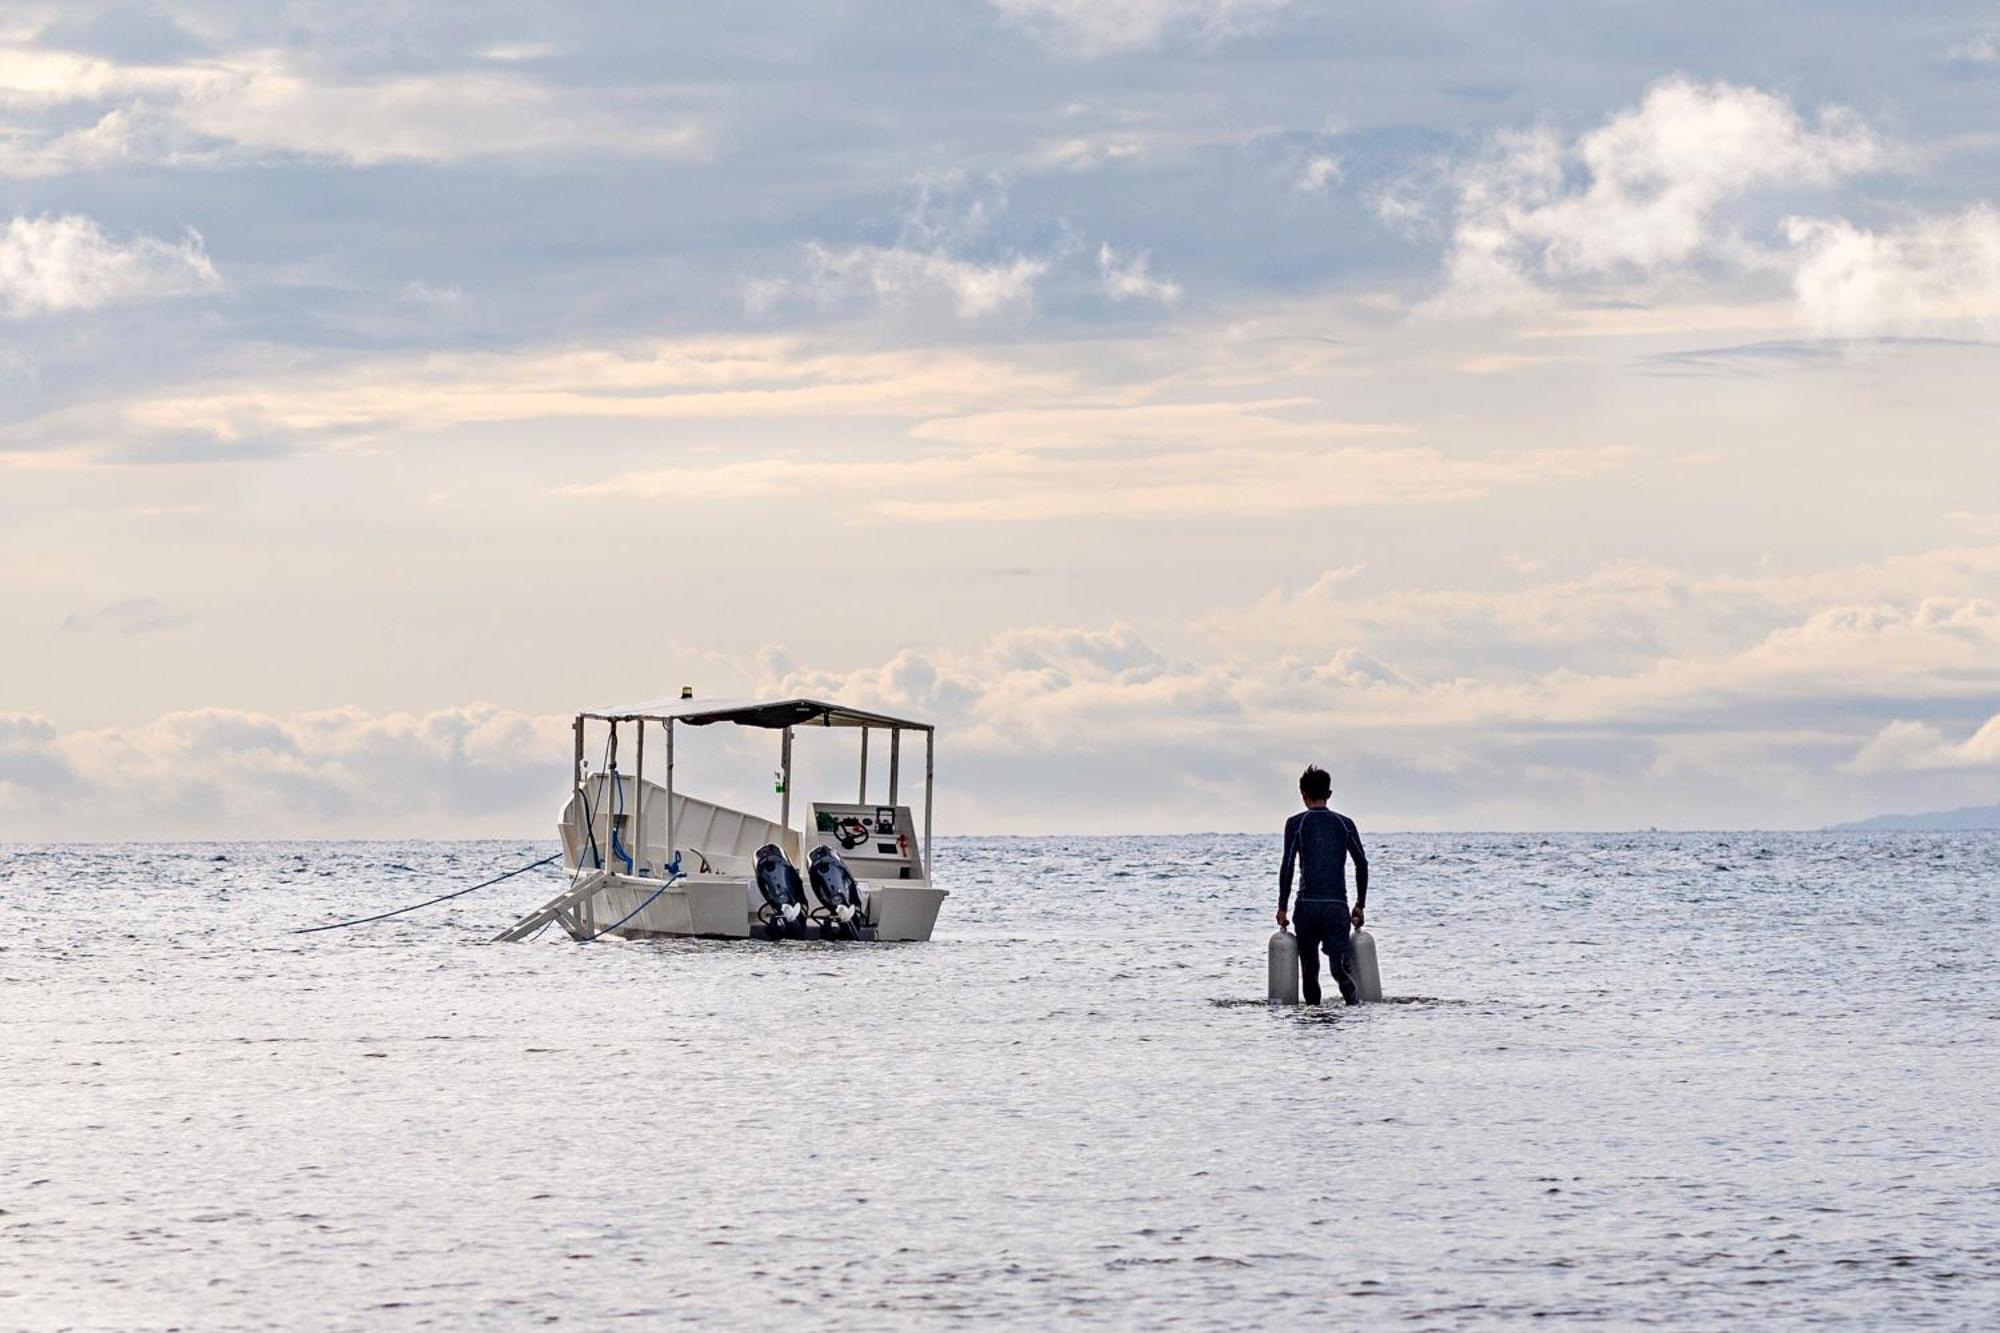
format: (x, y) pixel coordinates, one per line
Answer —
(1285, 967)
(1367, 976)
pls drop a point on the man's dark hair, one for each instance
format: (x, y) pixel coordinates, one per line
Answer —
(1314, 784)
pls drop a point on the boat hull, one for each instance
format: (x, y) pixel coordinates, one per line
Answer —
(725, 907)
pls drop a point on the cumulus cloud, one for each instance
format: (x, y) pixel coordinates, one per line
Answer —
(1088, 28)
(1104, 714)
(26, 153)
(1904, 747)
(223, 772)
(1636, 194)
(1061, 727)
(67, 263)
(1852, 281)
(1130, 278)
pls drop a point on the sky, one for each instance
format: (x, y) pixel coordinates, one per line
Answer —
(1544, 416)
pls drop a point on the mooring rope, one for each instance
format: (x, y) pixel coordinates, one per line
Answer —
(442, 897)
(674, 875)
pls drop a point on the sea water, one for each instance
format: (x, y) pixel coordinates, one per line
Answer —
(1702, 1080)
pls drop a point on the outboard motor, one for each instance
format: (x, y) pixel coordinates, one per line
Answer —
(840, 915)
(784, 911)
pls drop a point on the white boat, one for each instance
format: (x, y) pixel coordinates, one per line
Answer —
(646, 860)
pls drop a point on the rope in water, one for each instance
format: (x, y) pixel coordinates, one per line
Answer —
(442, 897)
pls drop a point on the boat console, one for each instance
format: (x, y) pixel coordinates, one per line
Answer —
(877, 841)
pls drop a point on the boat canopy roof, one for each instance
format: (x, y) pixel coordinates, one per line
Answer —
(772, 714)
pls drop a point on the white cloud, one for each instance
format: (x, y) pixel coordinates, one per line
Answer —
(109, 140)
(1129, 278)
(67, 263)
(262, 102)
(224, 772)
(1638, 193)
(512, 53)
(1320, 171)
(1089, 28)
(900, 276)
(1059, 727)
(1905, 747)
(1852, 281)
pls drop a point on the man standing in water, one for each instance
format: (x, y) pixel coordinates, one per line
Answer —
(1319, 841)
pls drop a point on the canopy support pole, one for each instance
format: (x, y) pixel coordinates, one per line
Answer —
(576, 785)
(785, 780)
(637, 844)
(670, 789)
(895, 761)
(861, 797)
(930, 772)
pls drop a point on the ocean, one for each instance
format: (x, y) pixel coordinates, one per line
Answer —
(1705, 1080)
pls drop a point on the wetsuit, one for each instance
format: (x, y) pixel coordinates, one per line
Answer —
(1320, 843)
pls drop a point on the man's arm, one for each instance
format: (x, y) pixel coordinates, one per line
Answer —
(1285, 869)
(1360, 855)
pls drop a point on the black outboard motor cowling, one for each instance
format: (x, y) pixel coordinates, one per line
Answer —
(840, 913)
(784, 911)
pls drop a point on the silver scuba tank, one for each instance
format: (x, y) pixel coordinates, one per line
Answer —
(1367, 976)
(1285, 968)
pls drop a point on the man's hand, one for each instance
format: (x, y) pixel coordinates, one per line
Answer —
(1356, 917)
(1283, 920)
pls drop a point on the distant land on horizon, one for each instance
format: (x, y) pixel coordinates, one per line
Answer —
(1967, 817)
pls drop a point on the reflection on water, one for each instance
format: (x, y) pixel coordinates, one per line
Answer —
(1707, 1080)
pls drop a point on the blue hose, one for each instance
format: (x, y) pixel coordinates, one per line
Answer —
(618, 846)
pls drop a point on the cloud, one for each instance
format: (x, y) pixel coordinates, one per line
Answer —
(1089, 28)
(896, 276)
(1018, 485)
(1905, 747)
(133, 616)
(1128, 278)
(1237, 422)
(225, 772)
(1636, 194)
(1852, 281)
(1320, 171)
(109, 140)
(1107, 727)
(1062, 727)
(1980, 49)
(263, 102)
(662, 380)
(50, 264)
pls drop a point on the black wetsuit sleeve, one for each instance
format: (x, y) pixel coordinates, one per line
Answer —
(1354, 849)
(1285, 869)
